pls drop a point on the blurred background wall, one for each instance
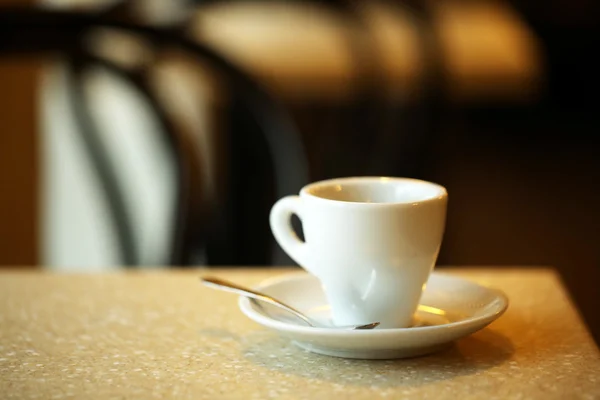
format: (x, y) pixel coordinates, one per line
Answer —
(18, 160)
(496, 100)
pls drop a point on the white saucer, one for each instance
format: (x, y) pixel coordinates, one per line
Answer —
(450, 308)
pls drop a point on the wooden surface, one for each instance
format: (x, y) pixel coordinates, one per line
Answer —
(162, 335)
(18, 162)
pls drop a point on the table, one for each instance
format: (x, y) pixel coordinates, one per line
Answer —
(159, 334)
(489, 51)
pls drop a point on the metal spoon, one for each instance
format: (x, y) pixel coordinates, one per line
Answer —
(221, 284)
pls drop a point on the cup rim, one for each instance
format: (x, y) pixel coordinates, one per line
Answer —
(305, 191)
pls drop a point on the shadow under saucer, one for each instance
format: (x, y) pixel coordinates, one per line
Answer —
(478, 352)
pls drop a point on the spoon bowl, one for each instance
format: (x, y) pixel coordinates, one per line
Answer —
(220, 284)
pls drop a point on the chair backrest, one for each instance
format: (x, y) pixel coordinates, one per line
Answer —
(211, 225)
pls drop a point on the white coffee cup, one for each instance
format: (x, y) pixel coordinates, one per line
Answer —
(371, 241)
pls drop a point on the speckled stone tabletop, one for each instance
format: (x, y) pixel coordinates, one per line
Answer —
(160, 334)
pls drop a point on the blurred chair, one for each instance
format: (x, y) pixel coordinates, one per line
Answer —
(208, 216)
(389, 68)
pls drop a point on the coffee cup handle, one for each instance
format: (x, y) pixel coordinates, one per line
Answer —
(281, 226)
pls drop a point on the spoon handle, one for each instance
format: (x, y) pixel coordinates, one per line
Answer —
(217, 283)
